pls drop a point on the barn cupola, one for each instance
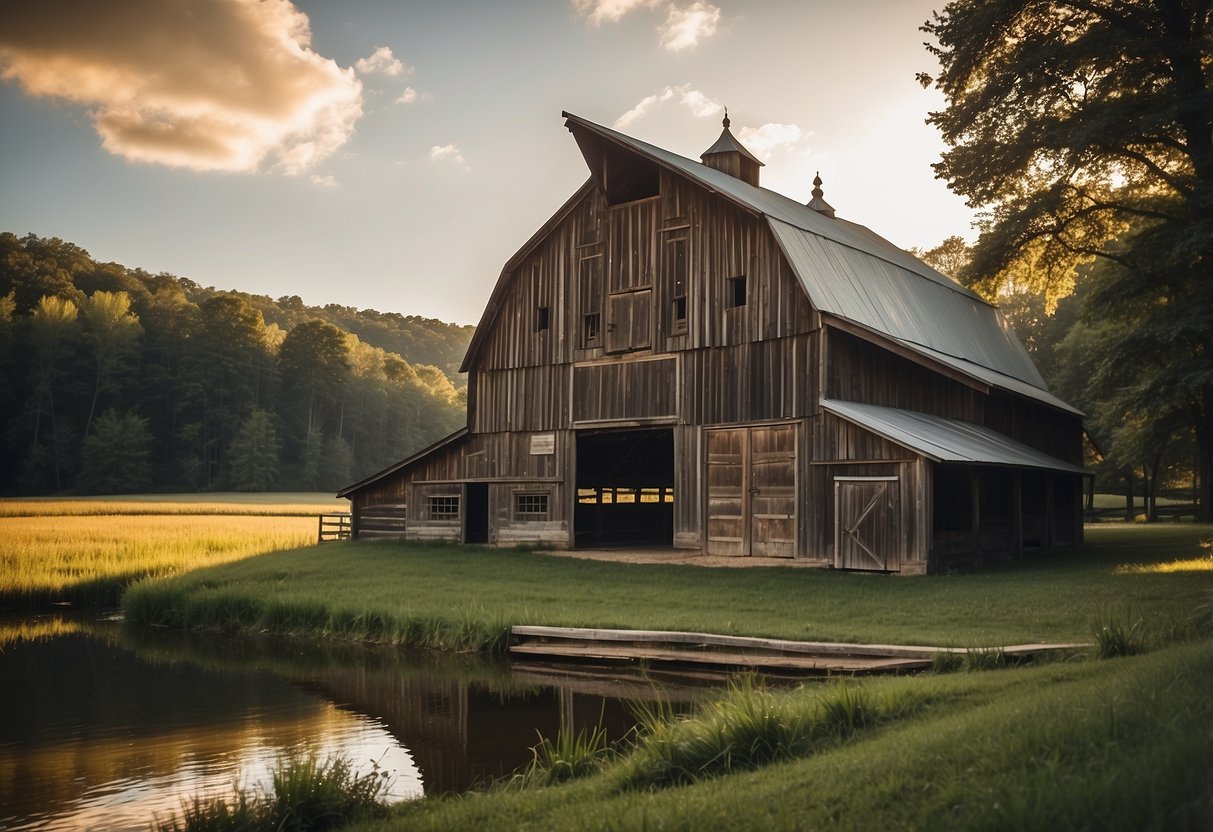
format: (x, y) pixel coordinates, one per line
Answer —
(729, 156)
(817, 203)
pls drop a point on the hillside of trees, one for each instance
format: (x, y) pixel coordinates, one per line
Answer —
(116, 380)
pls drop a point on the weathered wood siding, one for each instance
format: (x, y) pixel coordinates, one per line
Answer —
(858, 371)
(749, 382)
(839, 449)
(626, 390)
(521, 399)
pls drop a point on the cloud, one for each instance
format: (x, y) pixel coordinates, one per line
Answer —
(699, 104)
(684, 26)
(449, 153)
(324, 181)
(410, 96)
(762, 140)
(687, 26)
(224, 85)
(383, 62)
(599, 10)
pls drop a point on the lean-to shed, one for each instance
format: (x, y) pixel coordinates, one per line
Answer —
(680, 357)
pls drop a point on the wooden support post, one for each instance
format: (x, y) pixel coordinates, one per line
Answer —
(1017, 512)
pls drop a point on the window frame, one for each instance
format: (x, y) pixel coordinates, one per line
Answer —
(533, 498)
(445, 508)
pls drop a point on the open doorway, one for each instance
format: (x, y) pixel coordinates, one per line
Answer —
(625, 488)
(476, 528)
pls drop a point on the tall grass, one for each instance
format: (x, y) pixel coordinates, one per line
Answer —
(570, 756)
(90, 559)
(307, 795)
(744, 728)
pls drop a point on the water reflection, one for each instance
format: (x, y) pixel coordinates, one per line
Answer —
(105, 726)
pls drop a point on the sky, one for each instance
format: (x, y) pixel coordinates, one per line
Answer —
(394, 155)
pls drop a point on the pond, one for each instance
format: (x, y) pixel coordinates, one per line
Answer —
(106, 726)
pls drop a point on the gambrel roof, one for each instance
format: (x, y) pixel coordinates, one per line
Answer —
(854, 277)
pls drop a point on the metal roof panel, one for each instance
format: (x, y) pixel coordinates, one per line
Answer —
(946, 440)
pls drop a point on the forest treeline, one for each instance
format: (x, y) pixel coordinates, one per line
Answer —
(116, 380)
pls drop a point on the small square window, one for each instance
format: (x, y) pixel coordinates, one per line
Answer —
(680, 313)
(542, 318)
(591, 326)
(530, 506)
(736, 291)
(444, 508)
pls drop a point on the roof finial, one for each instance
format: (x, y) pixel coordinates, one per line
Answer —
(817, 203)
(726, 118)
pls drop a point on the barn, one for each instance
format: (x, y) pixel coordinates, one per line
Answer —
(682, 358)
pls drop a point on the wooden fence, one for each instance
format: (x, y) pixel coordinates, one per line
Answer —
(1169, 512)
(335, 526)
(382, 521)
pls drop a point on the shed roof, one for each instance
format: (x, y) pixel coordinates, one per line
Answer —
(946, 440)
(850, 272)
(404, 463)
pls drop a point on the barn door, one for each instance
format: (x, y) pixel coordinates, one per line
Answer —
(867, 531)
(727, 451)
(751, 494)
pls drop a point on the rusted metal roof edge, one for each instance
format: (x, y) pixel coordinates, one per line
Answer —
(404, 463)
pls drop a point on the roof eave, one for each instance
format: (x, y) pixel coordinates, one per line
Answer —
(402, 464)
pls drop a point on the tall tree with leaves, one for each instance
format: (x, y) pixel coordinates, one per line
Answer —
(314, 366)
(54, 333)
(112, 332)
(1083, 129)
(116, 457)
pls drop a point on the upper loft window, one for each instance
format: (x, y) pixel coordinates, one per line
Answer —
(591, 327)
(736, 292)
(629, 179)
(543, 318)
(676, 269)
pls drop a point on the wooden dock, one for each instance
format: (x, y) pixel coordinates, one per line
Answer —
(731, 653)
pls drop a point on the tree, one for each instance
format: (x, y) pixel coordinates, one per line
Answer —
(112, 331)
(1083, 129)
(117, 457)
(253, 456)
(951, 257)
(314, 366)
(54, 329)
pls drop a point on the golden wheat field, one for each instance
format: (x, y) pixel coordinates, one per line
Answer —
(87, 550)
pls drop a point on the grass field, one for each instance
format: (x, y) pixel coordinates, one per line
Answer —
(87, 551)
(1124, 744)
(465, 597)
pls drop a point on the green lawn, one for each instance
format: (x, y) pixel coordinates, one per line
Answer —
(1081, 743)
(461, 596)
(1121, 744)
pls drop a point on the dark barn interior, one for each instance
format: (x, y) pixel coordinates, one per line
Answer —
(625, 488)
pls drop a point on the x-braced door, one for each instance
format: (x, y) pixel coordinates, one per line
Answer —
(867, 533)
(751, 494)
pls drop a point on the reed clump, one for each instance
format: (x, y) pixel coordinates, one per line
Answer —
(307, 794)
(747, 727)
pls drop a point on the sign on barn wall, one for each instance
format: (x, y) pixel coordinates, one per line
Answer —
(543, 444)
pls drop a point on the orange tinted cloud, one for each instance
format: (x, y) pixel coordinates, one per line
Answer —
(228, 85)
